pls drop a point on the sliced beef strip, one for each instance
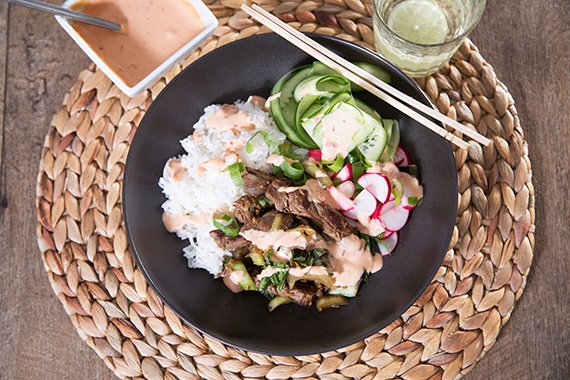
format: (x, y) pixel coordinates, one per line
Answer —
(256, 180)
(302, 294)
(248, 208)
(298, 202)
(229, 243)
(265, 222)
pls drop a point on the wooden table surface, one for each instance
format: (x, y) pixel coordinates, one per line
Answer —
(528, 43)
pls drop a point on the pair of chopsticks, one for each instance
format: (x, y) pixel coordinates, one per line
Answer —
(366, 80)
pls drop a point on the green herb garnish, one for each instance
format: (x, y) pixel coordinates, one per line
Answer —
(278, 279)
(309, 258)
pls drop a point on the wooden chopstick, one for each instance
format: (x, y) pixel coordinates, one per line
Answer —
(294, 37)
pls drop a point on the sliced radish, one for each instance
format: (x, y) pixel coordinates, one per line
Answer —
(376, 213)
(352, 215)
(365, 206)
(402, 157)
(344, 203)
(393, 216)
(365, 203)
(388, 244)
(378, 185)
(315, 154)
(387, 234)
(344, 174)
(347, 188)
(412, 191)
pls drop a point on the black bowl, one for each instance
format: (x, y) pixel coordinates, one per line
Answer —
(235, 71)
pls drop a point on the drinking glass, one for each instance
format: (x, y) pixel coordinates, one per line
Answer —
(419, 36)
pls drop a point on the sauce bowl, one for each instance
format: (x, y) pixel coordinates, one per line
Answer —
(125, 84)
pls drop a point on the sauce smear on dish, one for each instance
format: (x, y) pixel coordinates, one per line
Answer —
(153, 30)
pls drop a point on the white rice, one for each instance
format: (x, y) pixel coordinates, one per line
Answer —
(204, 193)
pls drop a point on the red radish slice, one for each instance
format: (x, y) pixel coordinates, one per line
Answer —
(347, 188)
(388, 244)
(393, 216)
(344, 174)
(378, 184)
(315, 154)
(387, 234)
(365, 203)
(412, 191)
(402, 157)
(352, 215)
(376, 213)
(344, 203)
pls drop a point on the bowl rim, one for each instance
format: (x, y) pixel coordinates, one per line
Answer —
(206, 16)
(299, 350)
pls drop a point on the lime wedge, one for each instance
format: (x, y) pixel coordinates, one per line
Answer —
(419, 21)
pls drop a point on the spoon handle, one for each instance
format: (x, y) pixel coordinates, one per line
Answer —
(68, 13)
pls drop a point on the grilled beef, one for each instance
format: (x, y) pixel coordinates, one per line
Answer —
(299, 202)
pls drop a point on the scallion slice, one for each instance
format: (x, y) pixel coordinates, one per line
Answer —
(293, 170)
(337, 164)
(272, 145)
(236, 169)
(226, 223)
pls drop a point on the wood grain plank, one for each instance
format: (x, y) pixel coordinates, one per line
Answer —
(3, 57)
(527, 43)
(38, 340)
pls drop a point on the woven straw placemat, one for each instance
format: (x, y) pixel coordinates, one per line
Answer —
(451, 326)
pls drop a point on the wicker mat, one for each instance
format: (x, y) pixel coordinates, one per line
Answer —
(453, 324)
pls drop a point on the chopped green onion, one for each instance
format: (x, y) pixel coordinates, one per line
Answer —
(413, 201)
(286, 150)
(293, 170)
(276, 225)
(263, 202)
(226, 223)
(337, 164)
(312, 169)
(397, 190)
(256, 258)
(277, 301)
(236, 169)
(273, 148)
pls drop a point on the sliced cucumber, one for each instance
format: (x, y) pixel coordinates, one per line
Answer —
(320, 68)
(366, 108)
(276, 110)
(347, 114)
(374, 70)
(321, 85)
(375, 142)
(288, 107)
(393, 140)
